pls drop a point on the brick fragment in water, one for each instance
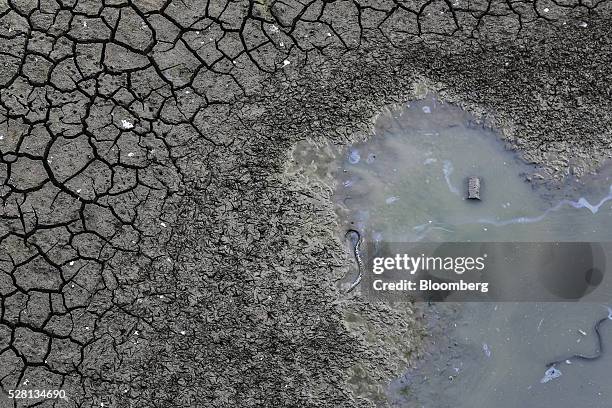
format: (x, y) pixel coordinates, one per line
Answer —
(473, 188)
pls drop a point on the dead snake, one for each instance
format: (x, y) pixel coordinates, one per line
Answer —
(357, 254)
(598, 352)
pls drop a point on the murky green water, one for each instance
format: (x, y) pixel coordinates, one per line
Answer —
(408, 183)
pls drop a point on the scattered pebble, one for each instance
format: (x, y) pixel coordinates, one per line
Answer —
(126, 124)
(286, 62)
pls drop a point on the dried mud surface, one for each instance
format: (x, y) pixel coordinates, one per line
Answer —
(156, 253)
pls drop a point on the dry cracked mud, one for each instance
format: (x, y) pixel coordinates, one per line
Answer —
(154, 250)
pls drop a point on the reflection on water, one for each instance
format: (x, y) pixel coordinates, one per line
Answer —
(408, 183)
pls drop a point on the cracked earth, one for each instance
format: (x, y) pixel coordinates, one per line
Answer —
(155, 252)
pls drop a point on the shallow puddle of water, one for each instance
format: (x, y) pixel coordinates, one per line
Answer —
(408, 183)
(494, 355)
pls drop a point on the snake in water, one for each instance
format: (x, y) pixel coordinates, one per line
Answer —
(357, 254)
(599, 350)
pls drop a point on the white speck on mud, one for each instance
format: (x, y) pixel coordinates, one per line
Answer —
(286, 62)
(126, 124)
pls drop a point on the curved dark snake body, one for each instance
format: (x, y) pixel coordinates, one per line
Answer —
(598, 352)
(357, 254)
